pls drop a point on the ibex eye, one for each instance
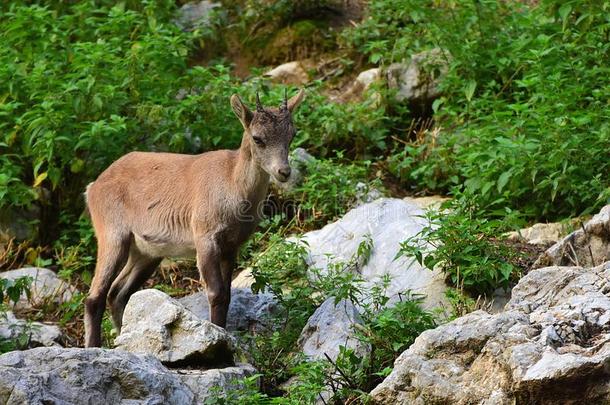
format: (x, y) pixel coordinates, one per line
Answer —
(258, 141)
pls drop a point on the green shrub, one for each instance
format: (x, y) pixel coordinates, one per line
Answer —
(524, 106)
(466, 245)
(11, 291)
(360, 129)
(329, 189)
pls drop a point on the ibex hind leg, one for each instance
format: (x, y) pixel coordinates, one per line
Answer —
(138, 269)
(111, 258)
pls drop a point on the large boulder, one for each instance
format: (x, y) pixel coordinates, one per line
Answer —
(101, 376)
(29, 334)
(588, 246)
(46, 287)
(87, 376)
(418, 79)
(386, 222)
(154, 323)
(331, 326)
(247, 311)
(551, 345)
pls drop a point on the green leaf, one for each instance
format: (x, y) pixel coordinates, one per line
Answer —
(503, 180)
(470, 89)
(564, 12)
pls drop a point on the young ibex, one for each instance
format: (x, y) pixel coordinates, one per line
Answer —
(147, 206)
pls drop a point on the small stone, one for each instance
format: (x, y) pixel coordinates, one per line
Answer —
(192, 16)
(418, 80)
(588, 246)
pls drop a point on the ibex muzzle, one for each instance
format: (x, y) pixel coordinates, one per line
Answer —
(147, 206)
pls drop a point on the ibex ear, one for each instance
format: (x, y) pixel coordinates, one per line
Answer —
(294, 101)
(241, 110)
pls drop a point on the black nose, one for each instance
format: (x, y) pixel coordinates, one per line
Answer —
(284, 172)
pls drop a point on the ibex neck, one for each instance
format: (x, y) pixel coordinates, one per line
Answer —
(247, 174)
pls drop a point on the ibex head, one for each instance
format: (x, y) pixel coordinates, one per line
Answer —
(269, 131)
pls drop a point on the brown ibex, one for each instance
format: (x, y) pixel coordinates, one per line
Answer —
(147, 206)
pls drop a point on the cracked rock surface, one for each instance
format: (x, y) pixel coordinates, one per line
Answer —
(154, 323)
(551, 345)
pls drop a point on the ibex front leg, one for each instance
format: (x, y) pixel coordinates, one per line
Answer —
(219, 296)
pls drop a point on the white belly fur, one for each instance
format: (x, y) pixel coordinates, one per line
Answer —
(170, 249)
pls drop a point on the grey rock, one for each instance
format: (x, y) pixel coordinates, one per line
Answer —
(215, 383)
(102, 376)
(154, 323)
(550, 345)
(420, 77)
(386, 222)
(46, 287)
(192, 16)
(301, 158)
(39, 334)
(87, 376)
(588, 246)
(330, 327)
(247, 311)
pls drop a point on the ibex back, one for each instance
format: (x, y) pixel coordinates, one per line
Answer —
(147, 206)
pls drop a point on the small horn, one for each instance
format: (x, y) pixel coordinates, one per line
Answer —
(259, 105)
(284, 105)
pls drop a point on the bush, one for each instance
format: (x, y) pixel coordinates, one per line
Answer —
(330, 188)
(466, 245)
(11, 291)
(524, 106)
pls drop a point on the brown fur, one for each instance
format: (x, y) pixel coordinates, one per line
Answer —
(147, 206)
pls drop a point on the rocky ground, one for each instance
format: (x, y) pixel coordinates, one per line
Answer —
(549, 344)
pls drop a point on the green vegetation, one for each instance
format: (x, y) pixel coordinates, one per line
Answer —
(10, 293)
(387, 330)
(466, 246)
(525, 109)
(520, 134)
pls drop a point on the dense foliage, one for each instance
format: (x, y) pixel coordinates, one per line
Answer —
(525, 111)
